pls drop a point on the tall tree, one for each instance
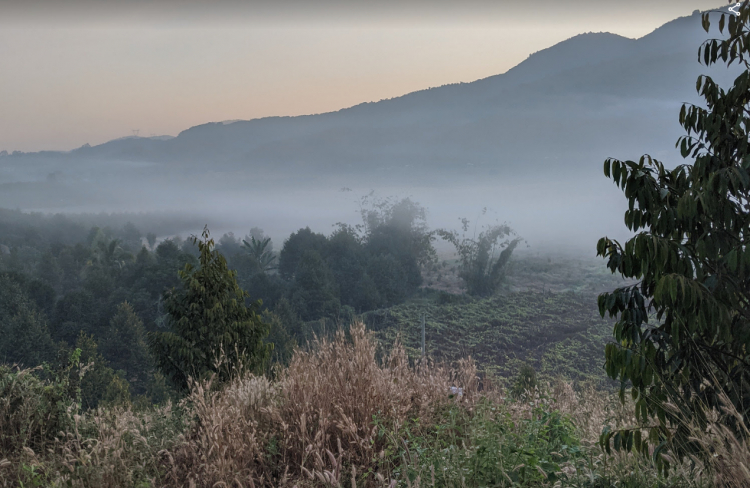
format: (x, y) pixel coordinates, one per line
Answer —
(24, 336)
(260, 251)
(211, 328)
(124, 346)
(683, 331)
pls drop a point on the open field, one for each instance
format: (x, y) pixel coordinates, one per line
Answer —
(547, 316)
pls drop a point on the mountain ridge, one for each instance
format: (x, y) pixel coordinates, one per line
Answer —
(608, 46)
(530, 141)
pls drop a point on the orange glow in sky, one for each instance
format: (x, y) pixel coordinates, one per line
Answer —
(69, 79)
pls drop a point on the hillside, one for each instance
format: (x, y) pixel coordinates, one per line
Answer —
(570, 80)
(547, 317)
(559, 334)
(529, 142)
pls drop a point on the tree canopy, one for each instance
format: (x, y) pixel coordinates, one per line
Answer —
(211, 329)
(683, 330)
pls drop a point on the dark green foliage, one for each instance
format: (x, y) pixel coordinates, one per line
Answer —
(314, 290)
(71, 260)
(282, 340)
(390, 279)
(488, 448)
(365, 294)
(24, 337)
(228, 244)
(124, 346)
(348, 260)
(211, 330)
(291, 321)
(38, 230)
(34, 411)
(399, 229)
(150, 277)
(683, 331)
(525, 380)
(131, 236)
(376, 264)
(483, 258)
(75, 312)
(269, 288)
(260, 250)
(298, 243)
(100, 384)
(49, 271)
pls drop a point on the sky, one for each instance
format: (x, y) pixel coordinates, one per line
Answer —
(88, 71)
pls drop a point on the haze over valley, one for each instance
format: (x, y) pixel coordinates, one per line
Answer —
(529, 144)
(374, 243)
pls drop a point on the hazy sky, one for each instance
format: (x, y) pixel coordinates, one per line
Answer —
(75, 72)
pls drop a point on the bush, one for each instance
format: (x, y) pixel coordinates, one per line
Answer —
(483, 258)
(32, 410)
(317, 418)
(525, 381)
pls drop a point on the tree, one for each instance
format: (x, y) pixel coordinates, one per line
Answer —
(348, 261)
(484, 257)
(124, 346)
(25, 337)
(298, 243)
(211, 328)
(131, 237)
(260, 251)
(100, 384)
(151, 239)
(683, 330)
(395, 234)
(49, 271)
(314, 291)
(75, 312)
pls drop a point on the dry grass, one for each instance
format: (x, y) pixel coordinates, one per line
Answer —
(31, 413)
(337, 416)
(115, 447)
(726, 452)
(108, 447)
(318, 417)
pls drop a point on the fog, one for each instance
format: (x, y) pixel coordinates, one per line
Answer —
(528, 145)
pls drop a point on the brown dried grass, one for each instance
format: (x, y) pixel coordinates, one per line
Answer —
(317, 418)
(726, 453)
(114, 447)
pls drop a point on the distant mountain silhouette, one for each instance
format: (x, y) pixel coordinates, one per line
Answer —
(557, 114)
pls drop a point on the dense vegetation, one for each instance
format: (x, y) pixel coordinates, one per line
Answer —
(691, 258)
(128, 363)
(111, 292)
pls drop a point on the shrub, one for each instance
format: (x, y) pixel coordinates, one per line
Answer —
(483, 258)
(525, 380)
(32, 410)
(320, 416)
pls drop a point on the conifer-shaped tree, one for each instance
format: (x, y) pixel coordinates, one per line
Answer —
(211, 328)
(124, 346)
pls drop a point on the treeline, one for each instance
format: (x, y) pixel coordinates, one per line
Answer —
(102, 289)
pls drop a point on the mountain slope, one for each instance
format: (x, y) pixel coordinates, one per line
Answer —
(553, 118)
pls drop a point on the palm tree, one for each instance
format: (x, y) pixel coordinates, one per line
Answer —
(259, 250)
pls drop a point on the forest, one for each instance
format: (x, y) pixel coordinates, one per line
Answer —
(373, 357)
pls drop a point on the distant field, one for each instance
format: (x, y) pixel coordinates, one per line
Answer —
(560, 334)
(547, 316)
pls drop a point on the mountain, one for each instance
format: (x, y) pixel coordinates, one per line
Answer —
(553, 118)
